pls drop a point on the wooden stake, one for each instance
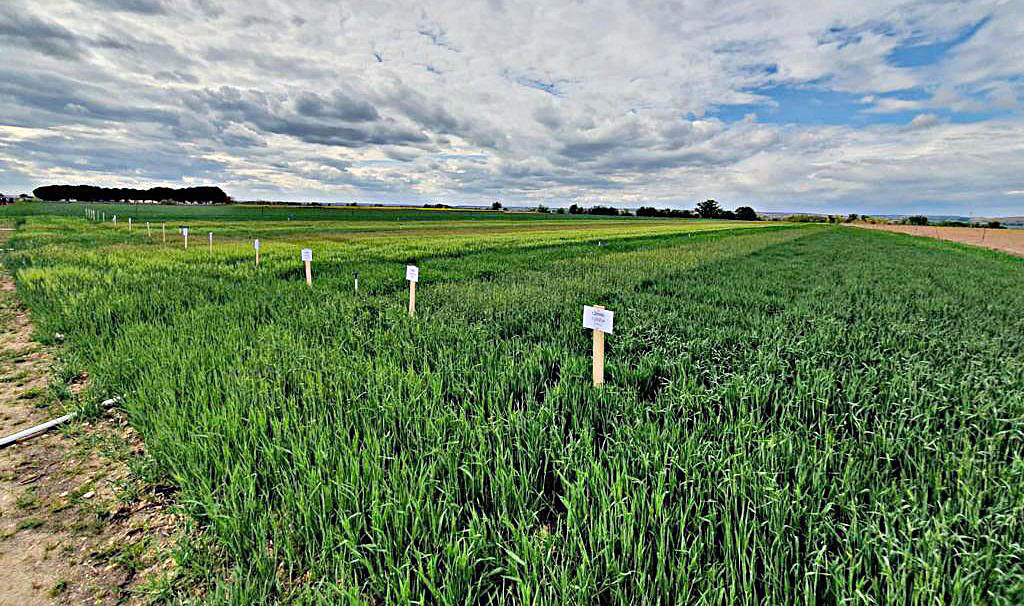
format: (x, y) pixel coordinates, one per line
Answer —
(256, 245)
(149, 232)
(163, 231)
(211, 241)
(307, 260)
(598, 355)
(412, 274)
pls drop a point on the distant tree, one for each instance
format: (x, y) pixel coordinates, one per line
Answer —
(995, 225)
(727, 214)
(709, 209)
(91, 193)
(560, 211)
(607, 211)
(575, 209)
(917, 220)
(850, 218)
(496, 206)
(543, 209)
(746, 213)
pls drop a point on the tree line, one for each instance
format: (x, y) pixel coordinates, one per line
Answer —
(708, 209)
(92, 193)
(923, 220)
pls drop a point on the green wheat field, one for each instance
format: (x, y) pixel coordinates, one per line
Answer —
(792, 414)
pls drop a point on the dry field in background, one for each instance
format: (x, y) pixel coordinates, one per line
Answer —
(1006, 240)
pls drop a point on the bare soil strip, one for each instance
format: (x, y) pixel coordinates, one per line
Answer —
(1006, 240)
(77, 523)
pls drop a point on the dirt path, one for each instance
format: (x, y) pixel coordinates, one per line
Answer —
(1006, 240)
(77, 523)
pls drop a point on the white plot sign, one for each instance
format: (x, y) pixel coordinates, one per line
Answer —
(307, 254)
(598, 319)
(412, 273)
(184, 231)
(256, 244)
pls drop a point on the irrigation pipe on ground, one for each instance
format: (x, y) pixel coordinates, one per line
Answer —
(38, 429)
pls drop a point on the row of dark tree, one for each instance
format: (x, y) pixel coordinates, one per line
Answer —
(708, 209)
(923, 220)
(91, 193)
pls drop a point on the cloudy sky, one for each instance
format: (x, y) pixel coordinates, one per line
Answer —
(868, 106)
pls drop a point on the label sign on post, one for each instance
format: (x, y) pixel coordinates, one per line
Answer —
(256, 246)
(412, 274)
(184, 232)
(211, 241)
(600, 320)
(307, 259)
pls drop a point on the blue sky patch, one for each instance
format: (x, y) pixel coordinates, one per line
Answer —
(916, 55)
(811, 105)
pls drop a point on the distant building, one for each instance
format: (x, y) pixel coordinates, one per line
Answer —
(5, 199)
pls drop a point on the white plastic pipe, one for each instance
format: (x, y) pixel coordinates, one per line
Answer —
(38, 429)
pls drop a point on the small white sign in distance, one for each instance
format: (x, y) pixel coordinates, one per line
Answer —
(412, 273)
(256, 244)
(307, 254)
(598, 319)
(184, 231)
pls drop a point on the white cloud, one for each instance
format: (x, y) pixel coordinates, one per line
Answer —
(923, 121)
(602, 102)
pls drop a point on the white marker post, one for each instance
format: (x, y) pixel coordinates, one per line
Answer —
(256, 245)
(115, 219)
(307, 259)
(149, 232)
(129, 223)
(163, 231)
(601, 321)
(211, 241)
(184, 232)
(412, 274)
(357, 281)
